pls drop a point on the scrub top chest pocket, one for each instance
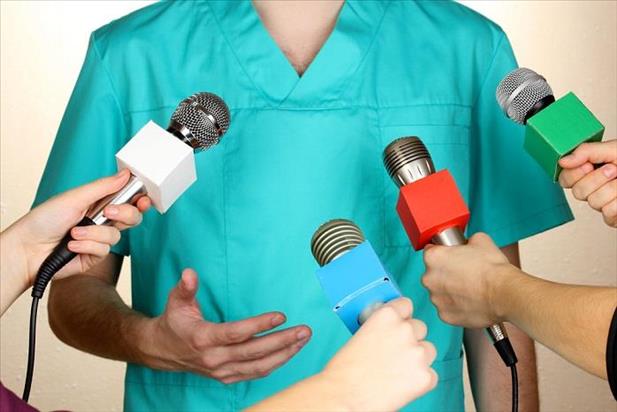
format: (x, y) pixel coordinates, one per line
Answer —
(445, 130)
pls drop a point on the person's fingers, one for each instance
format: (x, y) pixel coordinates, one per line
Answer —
(609, 213)
(435, 255)
(242, 330)
(240, 371)
(593, 181)
(186, 288)
(568, 177)
(101, 234)
(124, 216)
(402, 306)
(88, 247)
(83, 196)
(434, 379)
(430, 353)
(419, 329)
(481, 239)
(143, 204)
(607, 192)
(597, 152)
(262, 346)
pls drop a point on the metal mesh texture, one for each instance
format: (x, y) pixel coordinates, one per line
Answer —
(206, 117)
(519, 91)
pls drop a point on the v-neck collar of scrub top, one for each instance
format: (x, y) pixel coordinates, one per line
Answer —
(325, 79)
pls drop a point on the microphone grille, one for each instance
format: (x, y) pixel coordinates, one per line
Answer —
(333, 239)
(519, 92)
(403, 151)
(205, 116)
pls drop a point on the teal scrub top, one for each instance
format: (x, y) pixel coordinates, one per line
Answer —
(300, 151)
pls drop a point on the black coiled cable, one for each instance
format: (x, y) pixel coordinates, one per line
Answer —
(31, 347)
(514, 388)
(60, 256)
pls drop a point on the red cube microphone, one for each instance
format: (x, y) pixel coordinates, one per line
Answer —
(432, 210)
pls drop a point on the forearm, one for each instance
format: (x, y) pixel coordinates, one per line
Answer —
(13, 268)
(571, 320)
(88, 314)
(312, 394)
(489, 377)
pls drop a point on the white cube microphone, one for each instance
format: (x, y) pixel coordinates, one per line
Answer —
(162, 166)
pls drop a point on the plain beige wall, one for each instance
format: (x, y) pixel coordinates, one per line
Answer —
(42, 47)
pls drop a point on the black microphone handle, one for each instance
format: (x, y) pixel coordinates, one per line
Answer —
(57, 259)
(61, 255)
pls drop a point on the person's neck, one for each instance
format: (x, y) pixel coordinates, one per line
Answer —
(300, 27)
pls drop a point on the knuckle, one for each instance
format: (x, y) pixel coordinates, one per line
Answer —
(253, 354)
(578, 192)
(218, 374)
(210, 362)
(583, 148)
(232, 335)
(115, 236)
(429, 256)
(196, 342)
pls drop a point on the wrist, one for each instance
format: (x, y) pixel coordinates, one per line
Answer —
(501, 285)
(143, 333)
(15, 256)
(336, 392)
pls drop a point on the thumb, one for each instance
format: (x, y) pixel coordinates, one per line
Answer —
(186, 289)
(84, 196)
(481, 239)
(402, 306)
(598, 152)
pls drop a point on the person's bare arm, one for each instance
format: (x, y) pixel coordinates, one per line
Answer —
(383, 367)
(86, 312)
(571, 320)
(490, 379)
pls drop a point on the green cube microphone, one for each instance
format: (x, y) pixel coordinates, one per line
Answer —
(554, 128)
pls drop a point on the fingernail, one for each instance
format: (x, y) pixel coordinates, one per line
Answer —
(71, 245)
(301, 343)
(277, 320)
(79, 231)
(111, 211)
(302, 334)
(609, 170)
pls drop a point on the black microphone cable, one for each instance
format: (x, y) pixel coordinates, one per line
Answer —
(407, 160)
(514, 388)
(199, 121)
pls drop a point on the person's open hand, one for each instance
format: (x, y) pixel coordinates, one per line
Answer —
(40, 231)
(183, 340)
(597, 187)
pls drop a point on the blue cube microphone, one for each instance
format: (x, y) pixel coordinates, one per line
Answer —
(353, 278)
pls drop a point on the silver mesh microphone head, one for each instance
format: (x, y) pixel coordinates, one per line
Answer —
(201, 120)
(335, 238)
(406, 159)
(519, 92)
